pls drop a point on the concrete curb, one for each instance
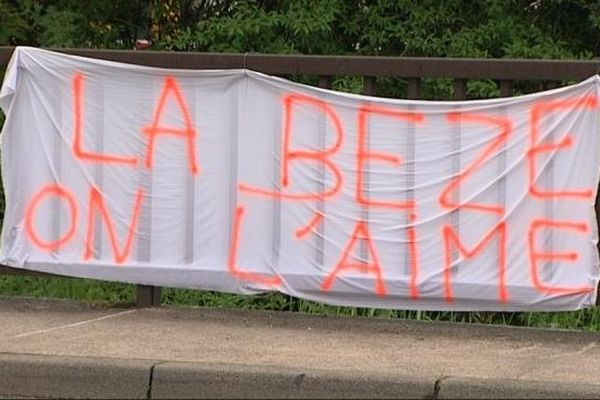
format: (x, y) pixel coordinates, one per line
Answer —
(31, 376)
(477, 388)
(25, 375)
(189, 380)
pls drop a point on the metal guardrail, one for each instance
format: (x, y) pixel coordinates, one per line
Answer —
(551, 73)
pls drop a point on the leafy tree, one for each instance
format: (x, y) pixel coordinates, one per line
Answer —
(12, 27)
(431, 28)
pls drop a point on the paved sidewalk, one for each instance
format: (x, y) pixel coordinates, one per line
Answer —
(64, 349)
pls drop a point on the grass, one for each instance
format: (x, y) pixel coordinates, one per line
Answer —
(121, 294)
(97, 292)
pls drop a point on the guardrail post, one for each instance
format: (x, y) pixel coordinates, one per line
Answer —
(414, 88)
(147, 296)
(506, 88)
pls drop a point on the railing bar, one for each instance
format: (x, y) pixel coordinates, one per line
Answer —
(411, 216)
(368, 89)
(548, 272)
(325, 82)
(406, 67)
(460, 89)
(369, 86)
(414, 88)
(57, 156)
(144, 241)
(506, 88)
(460, 93)
(147, 296)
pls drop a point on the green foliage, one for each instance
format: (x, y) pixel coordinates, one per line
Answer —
(283, 27)
(449, 28)
(60, 27)
(12, 26)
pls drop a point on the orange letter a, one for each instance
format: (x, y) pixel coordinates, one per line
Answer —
(188, 132)
(361, 232)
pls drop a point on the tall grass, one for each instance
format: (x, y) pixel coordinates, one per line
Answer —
(97, 292)
(120, 294)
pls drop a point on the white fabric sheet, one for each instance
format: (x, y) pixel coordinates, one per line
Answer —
(236, 181)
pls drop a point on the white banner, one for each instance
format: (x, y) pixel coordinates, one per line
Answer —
(235, 181)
